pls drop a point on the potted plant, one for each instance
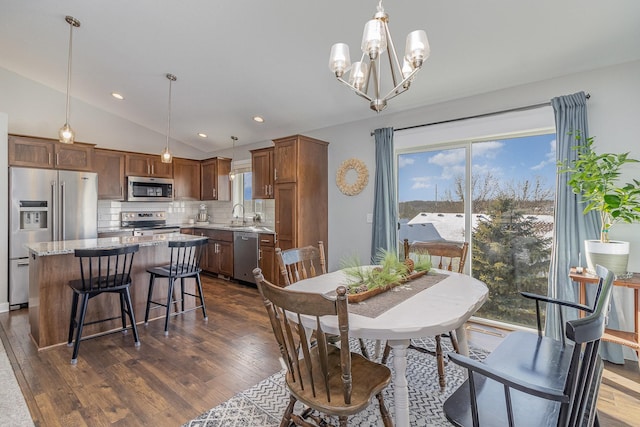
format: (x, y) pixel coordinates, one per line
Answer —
(596, 178)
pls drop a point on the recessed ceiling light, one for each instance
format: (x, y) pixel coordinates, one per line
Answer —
(202, 135)
(116, 95)
(258, 119)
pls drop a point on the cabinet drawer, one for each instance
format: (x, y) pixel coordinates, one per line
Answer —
(267, 239)
(219, 235)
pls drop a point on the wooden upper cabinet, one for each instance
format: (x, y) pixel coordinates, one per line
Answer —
(286, 159)
(48, 153)
(74, 156)
(215, 184)
(262, 173)
(147, 165)
(186, 179)
(110, 168)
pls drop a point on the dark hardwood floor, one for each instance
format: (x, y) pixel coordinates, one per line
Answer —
(170, 380)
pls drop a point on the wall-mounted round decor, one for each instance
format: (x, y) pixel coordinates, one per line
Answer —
(362, 177)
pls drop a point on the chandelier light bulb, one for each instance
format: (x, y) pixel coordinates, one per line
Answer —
(374, 41)
(358, 75)
(339, 59)
(417, 48)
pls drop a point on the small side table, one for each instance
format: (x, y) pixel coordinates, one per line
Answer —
(629, 339)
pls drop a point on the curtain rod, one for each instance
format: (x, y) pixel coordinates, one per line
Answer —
(494, 113)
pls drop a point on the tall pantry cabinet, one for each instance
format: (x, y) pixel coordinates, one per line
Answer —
(300, 191)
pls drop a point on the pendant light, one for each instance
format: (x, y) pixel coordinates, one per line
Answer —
(232, 172)
(166, 154)
(66, 134)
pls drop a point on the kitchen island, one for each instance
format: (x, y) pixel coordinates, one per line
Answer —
(53, 264)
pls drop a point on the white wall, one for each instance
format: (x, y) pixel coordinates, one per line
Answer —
(29, 104)
(614, 109)
(4, 216)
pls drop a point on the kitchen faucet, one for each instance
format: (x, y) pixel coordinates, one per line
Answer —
(234, 208)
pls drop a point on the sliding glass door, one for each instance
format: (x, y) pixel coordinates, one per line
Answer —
(496, 194)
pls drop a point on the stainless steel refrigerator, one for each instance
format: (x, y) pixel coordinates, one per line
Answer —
(46, 205)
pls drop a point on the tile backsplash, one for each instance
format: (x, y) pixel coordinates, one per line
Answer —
(180, 212)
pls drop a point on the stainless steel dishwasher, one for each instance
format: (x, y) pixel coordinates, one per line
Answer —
(245, 255)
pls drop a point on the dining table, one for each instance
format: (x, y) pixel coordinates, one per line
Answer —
(440, 302)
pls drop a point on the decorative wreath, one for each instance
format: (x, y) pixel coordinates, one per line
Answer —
(361, 181)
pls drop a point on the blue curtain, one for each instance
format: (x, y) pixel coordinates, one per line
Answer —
(572, 227)
(385, 210)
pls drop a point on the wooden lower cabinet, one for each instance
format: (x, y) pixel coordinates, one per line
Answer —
(267, 259)
(218, 256)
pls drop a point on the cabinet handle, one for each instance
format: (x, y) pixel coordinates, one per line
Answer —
(49, 158)
(264, 241)
(266, 189)
(214, 193)
(270, 190)
(57, 158)
(275, 174)
(153, 169)
(148, 169)
(259, 254)
(121, 191)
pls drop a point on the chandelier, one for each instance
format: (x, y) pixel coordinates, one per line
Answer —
(364, 76)
(166, 154)
(66, 134)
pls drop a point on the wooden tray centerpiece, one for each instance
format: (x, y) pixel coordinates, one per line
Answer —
(364, 282)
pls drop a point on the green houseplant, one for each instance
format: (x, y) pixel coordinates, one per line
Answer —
(596, 177)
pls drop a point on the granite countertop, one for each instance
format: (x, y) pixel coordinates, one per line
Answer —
(231, 227)
(69, 246)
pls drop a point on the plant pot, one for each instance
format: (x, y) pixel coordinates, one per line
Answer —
(613, 255)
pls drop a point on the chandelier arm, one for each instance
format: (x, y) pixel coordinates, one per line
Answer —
(393, 56)
(373, 69)
(395, 91)
(358, 92)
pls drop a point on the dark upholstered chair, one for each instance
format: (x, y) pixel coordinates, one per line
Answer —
(533, 380)
(101, 271)
(184, 263)
(322, 376)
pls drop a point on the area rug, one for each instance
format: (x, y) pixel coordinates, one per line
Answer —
(264, 403)
(13, 408)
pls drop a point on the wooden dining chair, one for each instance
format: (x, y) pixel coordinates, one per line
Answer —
(301, 263)
(445, 255)
(534, 380)
(101, 271)
(324, 377)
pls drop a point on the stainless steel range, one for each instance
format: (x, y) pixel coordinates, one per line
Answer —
(147, 223)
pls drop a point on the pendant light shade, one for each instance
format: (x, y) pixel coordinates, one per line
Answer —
(232, 172)
(166, 154)
(66, 134)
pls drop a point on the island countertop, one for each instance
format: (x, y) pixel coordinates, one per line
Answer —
(69, 246)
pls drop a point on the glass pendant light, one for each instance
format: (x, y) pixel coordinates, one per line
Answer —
(166, 154)
(232, 172)
(66, 134)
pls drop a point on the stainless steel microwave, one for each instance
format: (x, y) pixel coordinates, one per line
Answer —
(146, 189)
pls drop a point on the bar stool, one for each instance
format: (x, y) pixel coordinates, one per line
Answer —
(102, 271)
(184, 262)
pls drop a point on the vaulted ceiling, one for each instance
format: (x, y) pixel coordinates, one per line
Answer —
(235, 59)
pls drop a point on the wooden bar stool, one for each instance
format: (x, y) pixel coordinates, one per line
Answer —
(102, 271)
(184, 263)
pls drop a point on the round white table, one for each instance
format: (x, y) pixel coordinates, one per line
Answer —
(441, 308)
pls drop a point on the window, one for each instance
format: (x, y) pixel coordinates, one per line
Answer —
(496, 193)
